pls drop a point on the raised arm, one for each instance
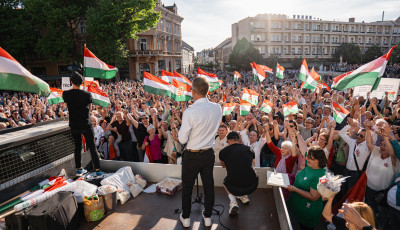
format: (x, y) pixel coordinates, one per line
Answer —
(368, 139)
(331, 136)
(302, 144)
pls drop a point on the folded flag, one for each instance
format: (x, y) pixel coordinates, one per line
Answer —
(179, 77)
(311, 81)
(13, 76)
(303, 71)
(250, 96)
(211, 78)
(289, 108)
(258, 73)
(223, 96)
(266, 106)
(55, 96)
(236, 76)
(180, 91)
(322, 85)
(99, 96)
(95, 67)
(368, 74)
(244, 108)
(167, 76)
(155, 85)
(228, 108)
(279, 71)
(339, 113)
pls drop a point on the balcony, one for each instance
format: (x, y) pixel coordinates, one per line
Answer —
(317, 29)
(276, 40)
(259, 40)
(151, 53)
(336, 31)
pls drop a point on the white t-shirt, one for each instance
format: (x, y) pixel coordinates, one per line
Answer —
(391, 197)
(218, 146)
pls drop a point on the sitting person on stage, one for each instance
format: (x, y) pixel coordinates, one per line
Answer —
(241, 179)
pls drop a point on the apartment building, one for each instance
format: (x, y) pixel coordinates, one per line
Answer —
(222, 52)
(159, 48)
(305, 36)
(187, 58)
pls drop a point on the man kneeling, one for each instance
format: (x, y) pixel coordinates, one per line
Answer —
(241, 179)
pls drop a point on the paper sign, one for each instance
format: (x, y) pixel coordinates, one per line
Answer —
(277, 179)
(389, 85)
(65, 83)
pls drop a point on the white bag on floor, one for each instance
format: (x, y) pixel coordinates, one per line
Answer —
(123, 195)
(120, 178)
(82, 189)
(135, 189)
(140, 181)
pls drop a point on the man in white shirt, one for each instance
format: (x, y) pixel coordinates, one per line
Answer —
(200, 123)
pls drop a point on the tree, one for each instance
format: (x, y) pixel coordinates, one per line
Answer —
(111, 24)
(244, 53)
(350, 53)
(372, 53)
(271, 61)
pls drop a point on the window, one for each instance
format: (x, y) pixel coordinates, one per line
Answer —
(306, 38)
(352, 29)
(258, 37)
(351, 40)
(293, 38)
(143, 44)
(318, 27)
(293, 50)
(158, 44)
(369, 40)
(162, 25)
(299, 39)
(359, 40)
(169, 46)
(252, 37)
(168, 27)
(299, 50)
(306, 50)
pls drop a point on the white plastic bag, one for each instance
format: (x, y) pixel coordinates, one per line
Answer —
(82, 189)
(106, 189)
(123, 196)
(135, 189)
(120, 178)
(140, 181)
(146, 159)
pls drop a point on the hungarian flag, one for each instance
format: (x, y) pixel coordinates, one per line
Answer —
(90, 82)
(55, 96)
(266, 106)
(228, 108)
(322, 85)
(250, 96)
(99, 96)
(167, 76)
(180, 91)
(95, 67)
(303, 71)
(223, 96)
(279, 71)
(368, 74)
(155, 85)
(211, 78)
(179, 77)
(244, 108)
(236, 76)
(258, 73)
(311, 81)
(289, 108)
(13, 76)
(339, 112)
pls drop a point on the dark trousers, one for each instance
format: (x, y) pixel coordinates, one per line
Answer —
(394, 216)
(89, 139)
(192, 165)
(126, 151)
(381, 212)
(352, 179)
(135, 152)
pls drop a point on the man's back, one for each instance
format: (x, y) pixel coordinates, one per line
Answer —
(78, 106)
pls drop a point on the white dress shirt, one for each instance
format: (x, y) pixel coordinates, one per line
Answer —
(218, 146)
(255, 147)
(200, 123)
(362, 150)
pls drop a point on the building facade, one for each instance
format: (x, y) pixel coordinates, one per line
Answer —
(159, 48)
(206, 56)
(308, 37)
(222, 52)
(187, 58)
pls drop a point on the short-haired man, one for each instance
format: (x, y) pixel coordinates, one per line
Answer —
(79, 103)
(241, 179)
(200, 122)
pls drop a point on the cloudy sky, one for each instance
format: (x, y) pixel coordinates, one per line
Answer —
(208, 22)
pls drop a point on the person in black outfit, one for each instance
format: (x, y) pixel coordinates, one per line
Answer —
(79, 104)
(241, 179)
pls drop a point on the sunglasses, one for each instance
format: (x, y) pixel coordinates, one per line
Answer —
(271, 129)
(291, 126)
(317, 118)
(145, 118)
(360, 135)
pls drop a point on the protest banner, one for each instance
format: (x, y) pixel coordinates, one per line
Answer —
(390, 85)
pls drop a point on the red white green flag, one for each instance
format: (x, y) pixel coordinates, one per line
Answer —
(13, 76)
(322, 85)
(223, 96)
(179, 77)
(55, 96)
(155, 85)
(312, 80)
(228, 108)
(368, 74)
(339, 113)
(180, 91)
(236, 76)
(95, 67)
(279, 71)
(244, 108)
(99, 96)
(211, 78)
(289, 108)
(250, 96)
(303, 71)
(167, 76)
(258, 73)
(266, 106)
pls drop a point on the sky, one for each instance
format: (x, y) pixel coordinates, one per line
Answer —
(207, 23)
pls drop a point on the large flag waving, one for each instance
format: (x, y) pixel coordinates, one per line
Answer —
(55, 96)
(167, 76)
(13, 76)
(266, 106)
(99, 97)
(312, 80)
(258, 73)
(322, 85)
(211, 78)
(303, 71)
(368, 74)
(279, 71)
(181, 78)
(155, 85)
(244, 108)
(95, 67)
(250, 96)
(289, 108)
(236, 76)
(339, 112)
(180, 91)
(228, 108)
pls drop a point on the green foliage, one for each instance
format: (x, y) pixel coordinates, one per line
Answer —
(244, 53)
(271, 61)
(350, 52)
(372, 53)
(111, 24)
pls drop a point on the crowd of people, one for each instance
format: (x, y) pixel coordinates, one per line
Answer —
(139, 126)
